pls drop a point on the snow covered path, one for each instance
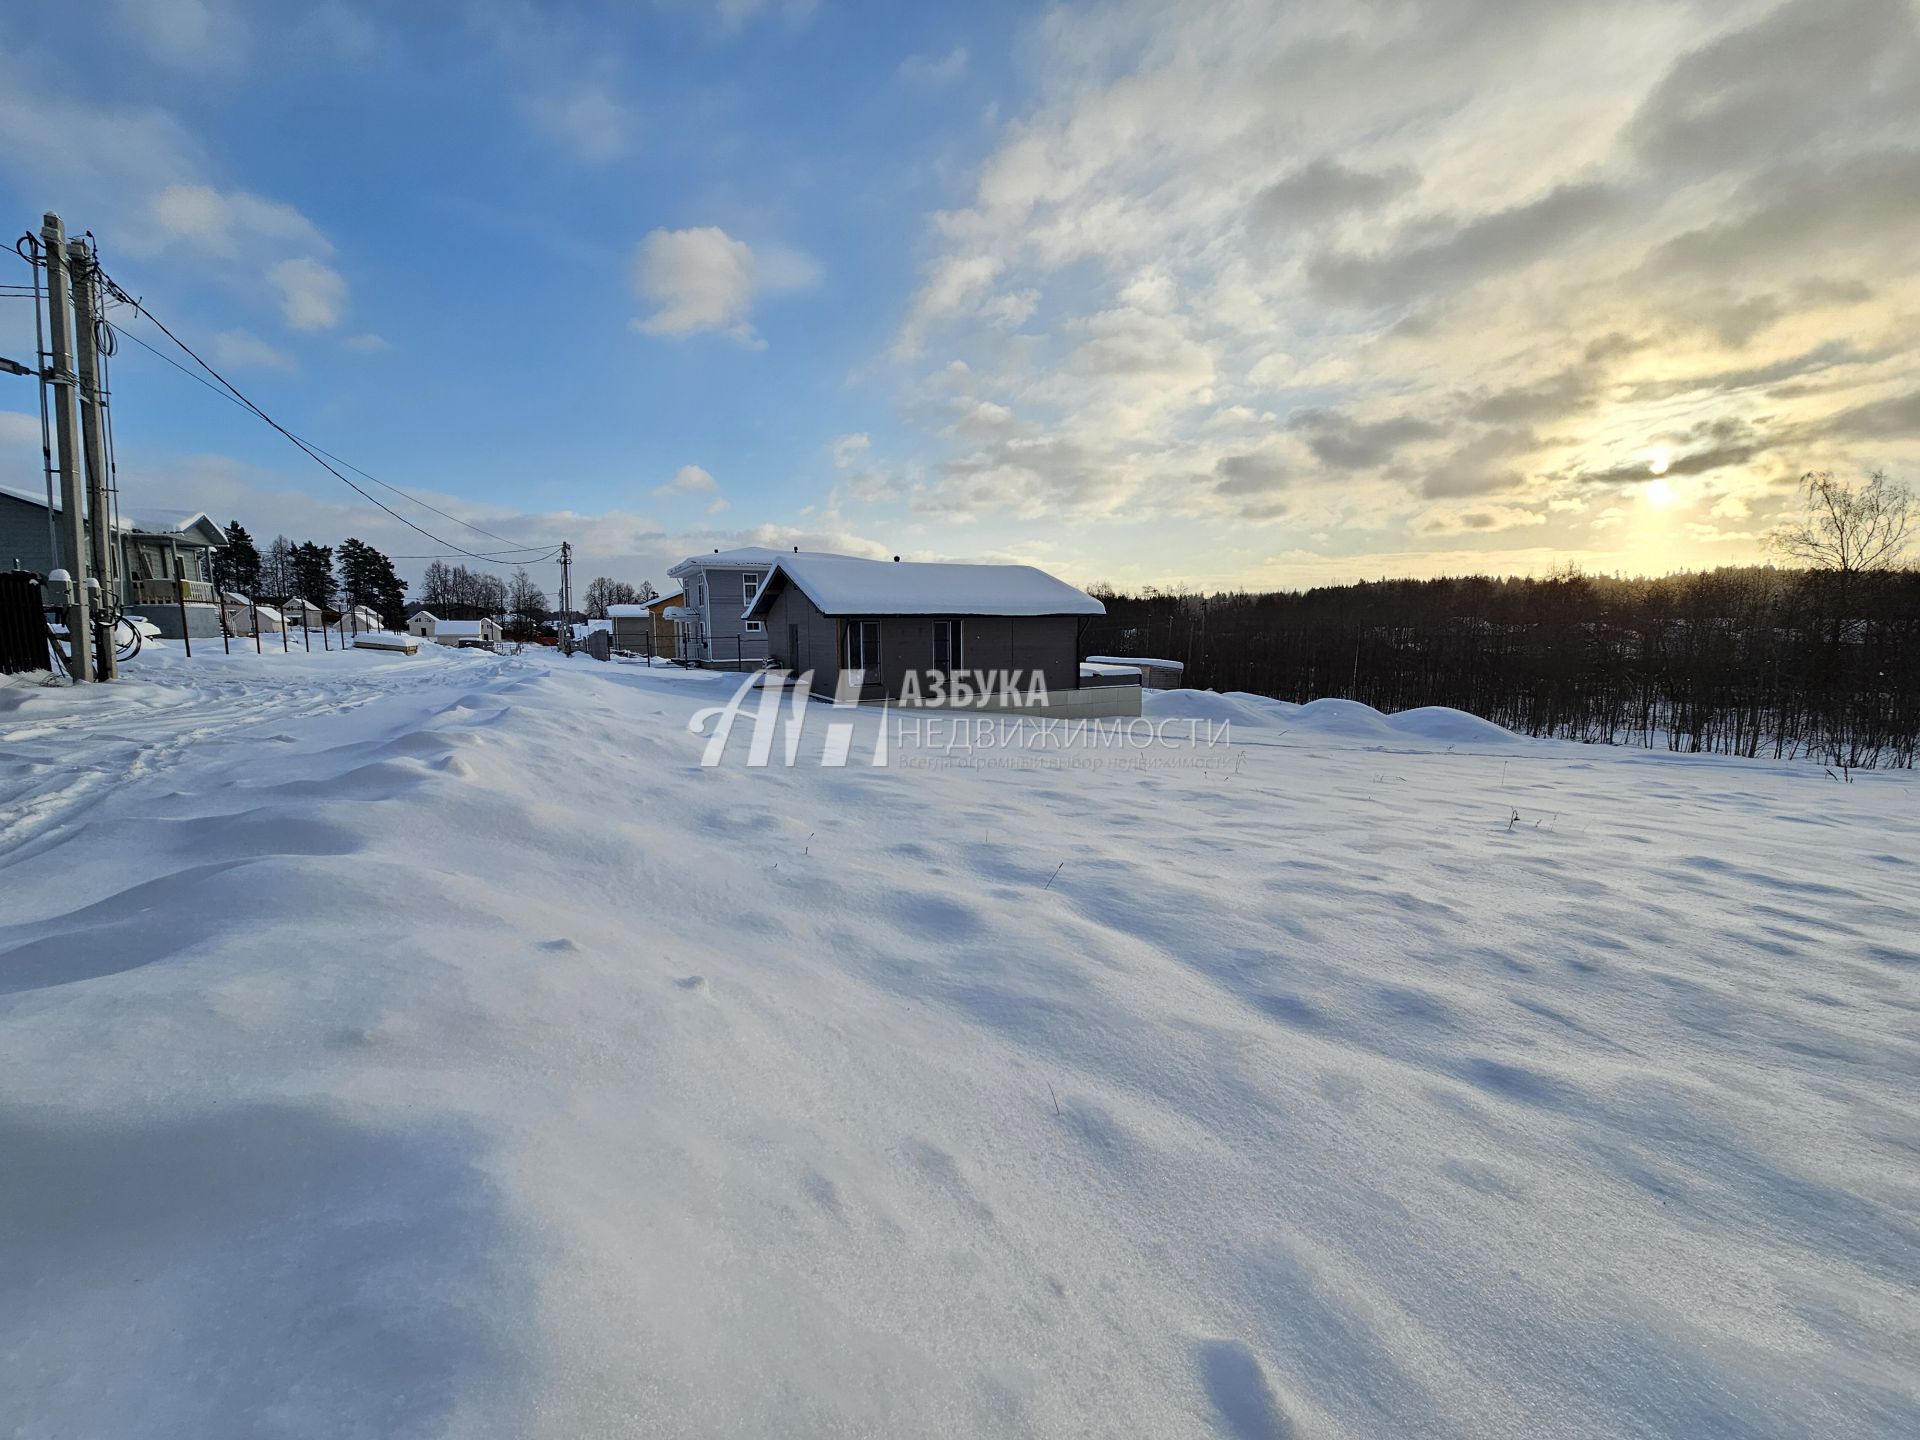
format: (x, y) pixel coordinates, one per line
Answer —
(429, 1046)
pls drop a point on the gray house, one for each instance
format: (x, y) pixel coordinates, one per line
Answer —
(152, 552)
(709, 626)
(887, 620)
(161, 546)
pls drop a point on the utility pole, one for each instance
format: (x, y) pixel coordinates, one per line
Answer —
(85, 282)
(566, 598)
(66, 432)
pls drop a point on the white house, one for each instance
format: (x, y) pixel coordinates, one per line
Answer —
(303, 613)
(428, 626)
(242, 613)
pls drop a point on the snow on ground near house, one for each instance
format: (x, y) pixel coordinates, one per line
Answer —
(414, 1046)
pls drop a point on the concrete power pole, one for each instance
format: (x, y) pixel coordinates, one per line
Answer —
(85, 283)
(566, 598)
(66, 434)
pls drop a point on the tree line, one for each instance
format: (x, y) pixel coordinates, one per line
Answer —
(355, 574)
(1820, 662)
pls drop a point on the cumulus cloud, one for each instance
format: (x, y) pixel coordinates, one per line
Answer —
(222, 222)
(688, 480)
(703, 279)
(313, 296)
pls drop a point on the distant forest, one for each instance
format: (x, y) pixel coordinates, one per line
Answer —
(1819, 663)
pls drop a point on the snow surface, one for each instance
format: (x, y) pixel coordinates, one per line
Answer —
(1137, 660)
(849, 585)
(429, 1046)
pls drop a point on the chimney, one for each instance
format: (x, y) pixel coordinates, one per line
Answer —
(796, 549)
(896, 559)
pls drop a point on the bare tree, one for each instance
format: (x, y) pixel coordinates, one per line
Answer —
(602, 592)
(1847, 529)
(526, 603)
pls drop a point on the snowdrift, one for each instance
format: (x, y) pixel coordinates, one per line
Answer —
(1343, 719)
(431, 1046)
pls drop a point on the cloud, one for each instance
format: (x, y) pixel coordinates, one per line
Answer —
(733, 16)
(19, 431)
(703, 279)
(1801, 72)
(1563, 393)
(239, 350)
(688, 480)
(1495, 254)
(313, 296)
(1711, 445)
(1803, 213)
(849, 448)
(193, 35)
(337, 29)
(223, 222)
(1896, 417)
(1324, 188)
(927, 71)
(1465, 252)
(598, 128)
(1342, 443)
(367, 343)
(1481, 519)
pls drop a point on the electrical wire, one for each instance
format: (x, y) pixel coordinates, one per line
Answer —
(500, 555)
(313, 452)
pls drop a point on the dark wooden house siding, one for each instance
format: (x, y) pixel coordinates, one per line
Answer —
(800, 638)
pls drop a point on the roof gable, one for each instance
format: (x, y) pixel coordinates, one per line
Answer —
(745, 557)
(847, 585)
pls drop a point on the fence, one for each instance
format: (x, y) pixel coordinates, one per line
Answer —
(23, 624)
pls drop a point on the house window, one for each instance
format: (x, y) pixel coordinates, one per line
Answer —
(861, 644)
(703, 594)
(749, 587)
(756, 627)
(947, 646)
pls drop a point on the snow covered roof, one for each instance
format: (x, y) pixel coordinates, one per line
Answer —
(173, 522)
(627, 612)
(180, 523)
(673, 594)
(1140, 661)
(847, 585)
(746, 557)
(459, 629)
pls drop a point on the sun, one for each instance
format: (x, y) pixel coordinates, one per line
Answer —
(1658, 459)
(1659, 494)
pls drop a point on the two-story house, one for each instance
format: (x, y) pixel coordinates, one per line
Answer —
(708, 627)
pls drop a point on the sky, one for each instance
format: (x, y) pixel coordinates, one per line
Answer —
(1201, 296)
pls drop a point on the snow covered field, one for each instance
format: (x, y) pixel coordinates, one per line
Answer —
(429, 1046)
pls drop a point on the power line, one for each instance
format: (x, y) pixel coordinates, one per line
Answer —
(312, 452)
(202, 381)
